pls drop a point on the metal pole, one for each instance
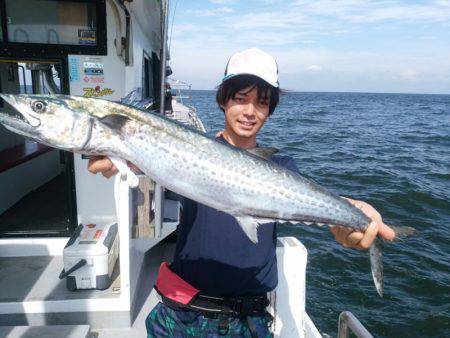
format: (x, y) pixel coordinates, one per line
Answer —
(165, 14)
(159, 209)
(159, 190)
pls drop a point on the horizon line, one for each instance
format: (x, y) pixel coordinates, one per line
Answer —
(288, 91)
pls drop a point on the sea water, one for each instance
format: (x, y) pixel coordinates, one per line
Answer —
(392, 151)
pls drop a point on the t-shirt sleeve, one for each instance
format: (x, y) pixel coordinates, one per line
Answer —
(286, 162)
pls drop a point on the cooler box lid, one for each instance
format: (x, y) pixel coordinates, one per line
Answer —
(91, 240)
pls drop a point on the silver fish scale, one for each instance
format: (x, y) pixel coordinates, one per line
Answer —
(230, 179)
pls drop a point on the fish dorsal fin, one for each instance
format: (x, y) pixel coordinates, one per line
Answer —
(265, 153)
(115, 121)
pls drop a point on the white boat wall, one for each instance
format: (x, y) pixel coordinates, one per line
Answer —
(37, 302)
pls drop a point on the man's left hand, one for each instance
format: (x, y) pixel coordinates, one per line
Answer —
(351, 238)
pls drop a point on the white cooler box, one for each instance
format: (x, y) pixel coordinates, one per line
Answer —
(89, 257)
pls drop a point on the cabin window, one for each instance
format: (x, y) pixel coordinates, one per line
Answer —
(63, 27)
(54, 22)
(156, 68)
(147, 77)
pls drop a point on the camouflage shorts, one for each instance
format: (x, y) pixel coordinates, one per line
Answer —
(164, 321)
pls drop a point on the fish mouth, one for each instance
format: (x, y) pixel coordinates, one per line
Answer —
(14, 120)
(20, 111)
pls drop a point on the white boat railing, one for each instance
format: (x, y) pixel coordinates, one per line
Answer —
(349, 323)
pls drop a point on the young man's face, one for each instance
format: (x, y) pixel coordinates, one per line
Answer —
(245, 114)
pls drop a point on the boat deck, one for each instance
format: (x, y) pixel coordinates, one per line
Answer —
(186, 115)
(146, 299)
(33, 278)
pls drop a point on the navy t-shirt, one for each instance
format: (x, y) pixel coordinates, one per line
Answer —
(214, 255)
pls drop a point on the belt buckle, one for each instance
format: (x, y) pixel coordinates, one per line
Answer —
(236, 305)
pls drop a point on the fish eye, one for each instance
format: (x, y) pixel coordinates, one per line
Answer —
(39, 106)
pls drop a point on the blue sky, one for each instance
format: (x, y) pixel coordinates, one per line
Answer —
(323, 45)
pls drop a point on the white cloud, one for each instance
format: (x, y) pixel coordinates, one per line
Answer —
(314, 68)
(375, 11)
(211, 12)
(223, 2)
(290, 21)
(410, 75)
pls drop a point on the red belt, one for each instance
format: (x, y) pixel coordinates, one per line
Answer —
(176, 292)
(173, 287)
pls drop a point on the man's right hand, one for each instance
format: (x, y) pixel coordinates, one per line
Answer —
(103, 165)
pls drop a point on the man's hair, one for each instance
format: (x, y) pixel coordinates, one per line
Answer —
(228, 89)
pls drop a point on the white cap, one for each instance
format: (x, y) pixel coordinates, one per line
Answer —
(253, 61)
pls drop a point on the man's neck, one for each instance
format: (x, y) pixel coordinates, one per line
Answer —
(239, 142)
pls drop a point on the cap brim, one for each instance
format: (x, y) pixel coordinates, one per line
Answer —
(227, 77)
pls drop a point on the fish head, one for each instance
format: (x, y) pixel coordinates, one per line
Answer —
(49, 119)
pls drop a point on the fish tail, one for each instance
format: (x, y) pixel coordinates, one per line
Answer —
(376, 265)
(403, 231)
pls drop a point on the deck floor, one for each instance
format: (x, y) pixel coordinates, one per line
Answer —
(146, 298)
(36, 278)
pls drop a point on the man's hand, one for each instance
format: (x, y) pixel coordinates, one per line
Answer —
(350, 238)
(102, 164)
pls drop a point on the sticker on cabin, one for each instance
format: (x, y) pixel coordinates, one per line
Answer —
(94, 79)
(87, 37)
(93, 68)
(97, 91)
(74, 74)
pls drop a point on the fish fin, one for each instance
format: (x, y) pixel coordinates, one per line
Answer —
(115, 121)
(403, 231)
(250, 226)
(265, 153)
(126, 173)
(376, 265)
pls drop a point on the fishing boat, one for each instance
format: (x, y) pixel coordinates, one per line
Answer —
(115, 50)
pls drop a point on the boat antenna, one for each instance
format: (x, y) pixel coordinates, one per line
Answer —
(171, 25)
(165, 17)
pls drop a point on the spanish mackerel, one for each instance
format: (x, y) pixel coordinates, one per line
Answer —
(251, 188)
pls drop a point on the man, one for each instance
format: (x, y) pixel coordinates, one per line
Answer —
(229, 275)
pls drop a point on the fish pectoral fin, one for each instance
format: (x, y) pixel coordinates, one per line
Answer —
(115, 121)
(376, 265)
(126, 173)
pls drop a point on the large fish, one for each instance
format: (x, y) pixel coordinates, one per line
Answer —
(251, 188)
